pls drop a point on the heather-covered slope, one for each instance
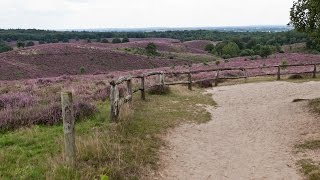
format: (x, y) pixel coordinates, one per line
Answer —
(70, 59)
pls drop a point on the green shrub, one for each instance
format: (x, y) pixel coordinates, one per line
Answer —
(82, 70)
(30, 43)
(4, 47)
(159, 90)
(209, 47)
(20, 44)
(125, 40)
(116, 40)
(151, 49)
(105, 41)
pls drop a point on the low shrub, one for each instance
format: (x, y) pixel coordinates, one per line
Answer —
(12, 118)
(17, 100)
(205, 84)
(159, 90)
(295, 76)
(102, 94)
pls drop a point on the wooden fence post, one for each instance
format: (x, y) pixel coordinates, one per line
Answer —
(68, 128)
(216, 82)
(161, 79)
(246, 75)
(129, 90)
(143, 92)
(279, 73)
(190, 81)
(114, 101)
(314, 71)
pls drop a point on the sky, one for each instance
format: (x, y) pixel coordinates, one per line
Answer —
(89, 14)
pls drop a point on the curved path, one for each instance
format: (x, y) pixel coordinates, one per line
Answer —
(251, 134)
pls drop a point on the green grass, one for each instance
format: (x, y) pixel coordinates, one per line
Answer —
(313, 144)
(310, 169)
(126, 150)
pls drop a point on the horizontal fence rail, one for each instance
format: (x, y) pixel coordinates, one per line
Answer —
(116, 101)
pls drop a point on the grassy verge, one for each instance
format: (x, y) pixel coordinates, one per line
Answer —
(310, 168)
(120, 151)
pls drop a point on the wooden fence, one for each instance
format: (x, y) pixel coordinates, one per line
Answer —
(116, 102)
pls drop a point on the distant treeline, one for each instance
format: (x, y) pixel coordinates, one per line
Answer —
(268, 38)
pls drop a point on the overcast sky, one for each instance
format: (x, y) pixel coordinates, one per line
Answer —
(74, 14)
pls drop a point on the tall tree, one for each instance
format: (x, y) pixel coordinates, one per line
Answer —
(305, 17)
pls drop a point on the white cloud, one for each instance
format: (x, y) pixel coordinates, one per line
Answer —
(63, 14)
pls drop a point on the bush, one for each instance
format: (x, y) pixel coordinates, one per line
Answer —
(151, 49)
(159, 90)
(209, 47)
(89, 40)
(42, 42)
(116, 40)
(49, 114)
(4, 48)
(65, 40)
(218, 62)
(125, 40)
(295, 76)
(30, 43)
(105, 41)
(205, 84)
(247, 52)
(82, 70)
(21, 44)
(264, 51)
(284, 64)
(231, 49)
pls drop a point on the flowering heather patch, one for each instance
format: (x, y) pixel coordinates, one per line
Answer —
(37, 101)
(17, 100)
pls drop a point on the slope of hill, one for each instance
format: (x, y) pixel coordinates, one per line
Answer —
(70, 59)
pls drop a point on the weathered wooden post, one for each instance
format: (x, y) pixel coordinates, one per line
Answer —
(114, 100)
(68, 128)
(190, 81)
(216, 82)
(161, 78)
(246, 75)
(279, 73)
(129, 90)
(142, 89)
(314, 71)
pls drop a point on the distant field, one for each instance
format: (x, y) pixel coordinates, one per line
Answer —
(80, 57)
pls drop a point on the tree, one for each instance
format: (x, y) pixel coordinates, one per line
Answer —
(209, 47)
(116, 40)
(125, 40)
(304, 16)
(151, 49)
(265, 51)
(231, 49)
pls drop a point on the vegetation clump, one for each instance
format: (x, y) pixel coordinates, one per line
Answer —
(159, 90)
(151, 49)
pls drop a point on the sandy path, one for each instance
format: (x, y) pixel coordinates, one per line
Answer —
(251, 135)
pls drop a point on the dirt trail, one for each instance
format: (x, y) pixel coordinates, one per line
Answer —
(251, 134)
